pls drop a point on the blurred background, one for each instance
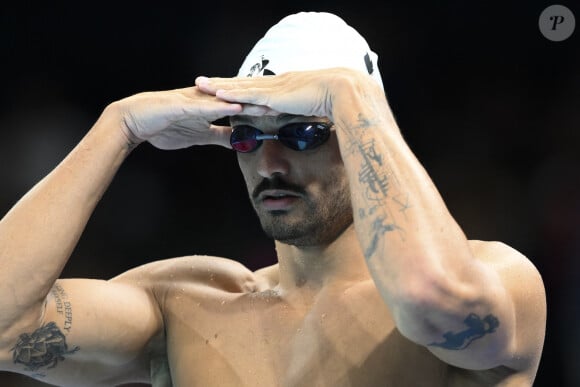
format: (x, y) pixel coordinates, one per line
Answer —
(489, 105)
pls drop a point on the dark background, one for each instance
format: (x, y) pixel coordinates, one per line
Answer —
(490, 106)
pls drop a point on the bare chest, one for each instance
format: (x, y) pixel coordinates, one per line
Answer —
(261, 340)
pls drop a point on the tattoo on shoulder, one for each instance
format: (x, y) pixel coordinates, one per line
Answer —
(477, 327)
(44, 347)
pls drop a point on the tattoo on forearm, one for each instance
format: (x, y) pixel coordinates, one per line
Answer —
(476, 329)
(44, 347)
(377, 184)
(378, 229)
(403, 203)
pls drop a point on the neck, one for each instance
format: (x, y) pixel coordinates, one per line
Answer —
(310, 269)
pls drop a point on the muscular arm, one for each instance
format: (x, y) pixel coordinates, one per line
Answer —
(81, 331)
(441, 294)
(39, 233)
(44, 322)
(93, 332)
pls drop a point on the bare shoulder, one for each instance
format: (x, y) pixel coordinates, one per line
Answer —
(222, 273)
(524, 283)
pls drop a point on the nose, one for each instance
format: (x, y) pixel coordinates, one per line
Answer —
(272, 159)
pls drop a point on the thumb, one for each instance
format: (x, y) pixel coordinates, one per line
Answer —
(221, 135)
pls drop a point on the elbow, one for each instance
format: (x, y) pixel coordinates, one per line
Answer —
(427, 307)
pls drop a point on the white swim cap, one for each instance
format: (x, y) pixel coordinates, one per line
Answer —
(310, 41)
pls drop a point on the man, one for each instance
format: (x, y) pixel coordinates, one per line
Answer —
(376, 284)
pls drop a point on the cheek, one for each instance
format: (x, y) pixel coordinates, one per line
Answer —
(245, 162)
(336, 178)
(330, 159)
(334, 150)
(328, 176)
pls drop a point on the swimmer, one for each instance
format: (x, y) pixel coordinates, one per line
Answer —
(375, 285)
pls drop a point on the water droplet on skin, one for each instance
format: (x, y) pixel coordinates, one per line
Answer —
(223, 302)
(323, 316)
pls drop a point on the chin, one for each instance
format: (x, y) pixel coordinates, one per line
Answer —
(304, 234)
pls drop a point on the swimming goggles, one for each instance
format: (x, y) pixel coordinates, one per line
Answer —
(299, 136)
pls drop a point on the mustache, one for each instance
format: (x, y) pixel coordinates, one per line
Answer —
(277, 183)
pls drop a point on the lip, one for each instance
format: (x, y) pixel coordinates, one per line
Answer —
(277, 199)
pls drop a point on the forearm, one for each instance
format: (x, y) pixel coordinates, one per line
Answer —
(40, 232)
(418, 256)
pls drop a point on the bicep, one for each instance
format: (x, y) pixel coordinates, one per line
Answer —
(92, 332)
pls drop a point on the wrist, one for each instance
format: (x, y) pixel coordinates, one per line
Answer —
(115, 121)
(112, 129)
(359, 102)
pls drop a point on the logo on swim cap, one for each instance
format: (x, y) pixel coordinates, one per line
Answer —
(260, 68)
(369, 63)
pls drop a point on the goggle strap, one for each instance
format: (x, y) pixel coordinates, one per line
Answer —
(264, 136)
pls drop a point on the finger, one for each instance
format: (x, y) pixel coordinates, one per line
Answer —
(171, 141)
(205, 85)
(253, 96)
(193, 100)
(212, 85)
(215, 110)
(257, 110)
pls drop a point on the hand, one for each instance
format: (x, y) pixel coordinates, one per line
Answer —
(307, 93)
(175, 119)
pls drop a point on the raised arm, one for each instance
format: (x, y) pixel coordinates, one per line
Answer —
(45, 323)
(459, 299)
(466, 306)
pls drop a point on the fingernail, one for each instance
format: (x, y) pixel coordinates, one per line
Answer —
(202, 80)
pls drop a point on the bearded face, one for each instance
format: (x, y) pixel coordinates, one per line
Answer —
(304, 216)
(302, 198)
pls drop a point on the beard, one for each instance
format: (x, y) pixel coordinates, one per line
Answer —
(313, 221)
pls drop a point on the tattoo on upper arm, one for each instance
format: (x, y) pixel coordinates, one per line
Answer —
(476, 329)
(63, 306)
(44, 347)
(47, 345)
